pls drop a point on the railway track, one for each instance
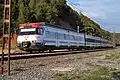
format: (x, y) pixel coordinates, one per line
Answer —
(15, 56)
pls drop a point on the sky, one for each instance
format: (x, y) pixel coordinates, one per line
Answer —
(105, 12)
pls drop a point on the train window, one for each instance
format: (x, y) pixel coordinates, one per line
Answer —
(97, 41)
(77, 37)
(90, 40)
(103, 42)
(67, 36)
(73, 37)
(52, 34)
(41, 31)
(47, 33)
(80, 38)
(61, 36)
(70, 37)
(56, 35)
(64, 36)
(27, 31)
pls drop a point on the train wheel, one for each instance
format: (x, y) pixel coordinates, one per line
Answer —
(31, 52)
(79, 48)
(69, 49)
(72, 49)
(50, 51)
(41, 51)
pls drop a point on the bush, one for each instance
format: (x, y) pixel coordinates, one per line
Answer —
(113, 56)
(98, 73)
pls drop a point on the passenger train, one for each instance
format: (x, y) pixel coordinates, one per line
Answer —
(42, 36)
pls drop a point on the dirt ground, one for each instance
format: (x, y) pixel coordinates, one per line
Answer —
(46, 68)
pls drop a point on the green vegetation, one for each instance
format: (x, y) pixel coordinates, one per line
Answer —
(1, 78)
(113, 56)
(117, 39)
(54, 12)
(51, 11)
(99, 73)
(116, 74)
(1, 17)
(92, 28)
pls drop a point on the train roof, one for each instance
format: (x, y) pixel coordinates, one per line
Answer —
(38, 24)
(57, 26)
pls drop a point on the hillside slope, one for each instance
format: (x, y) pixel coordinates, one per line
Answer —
(92, 28)
(55, 12)
(117, 38)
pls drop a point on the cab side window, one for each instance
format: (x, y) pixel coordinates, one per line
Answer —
(47, 34)
(41, 31)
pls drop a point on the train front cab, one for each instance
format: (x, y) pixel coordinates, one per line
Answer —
(30, 36)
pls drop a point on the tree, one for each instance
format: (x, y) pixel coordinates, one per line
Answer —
(14, 15)
(46, 11)
(1, 17)
(51, 11)
(22, 12)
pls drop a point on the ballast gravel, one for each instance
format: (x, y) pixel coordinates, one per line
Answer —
(47, 68)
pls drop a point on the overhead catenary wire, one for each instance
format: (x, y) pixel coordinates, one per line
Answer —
(77, 6)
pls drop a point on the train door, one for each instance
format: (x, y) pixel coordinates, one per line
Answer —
(68, 39)
(57, 37)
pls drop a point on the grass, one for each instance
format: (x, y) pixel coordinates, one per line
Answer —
(113, 56)
(116, 74)
(99, 73)
(1, 78)
(63, 78)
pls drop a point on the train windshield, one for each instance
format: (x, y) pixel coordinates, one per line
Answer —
(31, 31)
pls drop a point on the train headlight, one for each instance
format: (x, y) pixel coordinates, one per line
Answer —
(33, 42)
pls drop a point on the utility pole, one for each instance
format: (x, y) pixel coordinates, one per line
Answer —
(78, 29)
(6, 25)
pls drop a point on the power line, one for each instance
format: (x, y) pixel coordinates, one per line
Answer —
(80, 9)
(77, 6)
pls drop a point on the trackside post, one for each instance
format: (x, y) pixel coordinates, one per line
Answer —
(6, 33)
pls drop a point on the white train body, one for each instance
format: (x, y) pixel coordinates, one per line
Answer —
(38, 36)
